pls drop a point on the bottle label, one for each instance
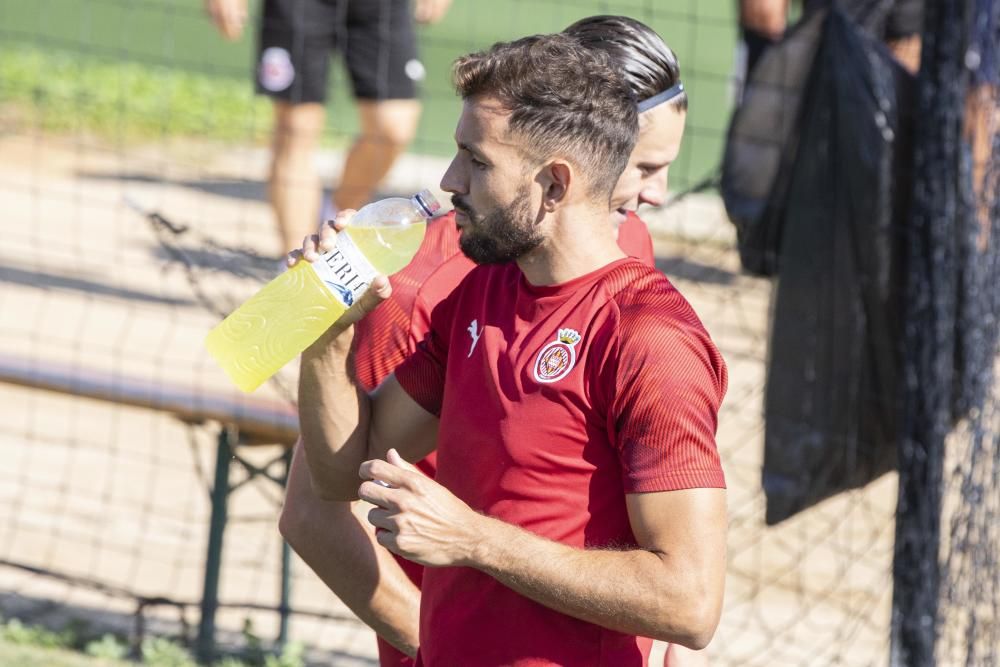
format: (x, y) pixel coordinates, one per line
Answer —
(345, 271)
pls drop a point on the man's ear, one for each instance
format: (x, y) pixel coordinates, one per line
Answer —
(557, 177)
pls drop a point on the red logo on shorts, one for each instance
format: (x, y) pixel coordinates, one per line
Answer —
(557, 358)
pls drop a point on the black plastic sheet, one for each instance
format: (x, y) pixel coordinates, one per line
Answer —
(830, 405)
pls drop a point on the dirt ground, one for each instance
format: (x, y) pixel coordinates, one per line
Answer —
(102, 504)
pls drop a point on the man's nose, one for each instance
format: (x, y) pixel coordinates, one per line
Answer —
(654, 194)
(652, 198)
(452, 181)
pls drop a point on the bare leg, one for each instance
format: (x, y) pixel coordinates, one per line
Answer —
(982, 123)
(387, 128)
(293, 186)
(766, 17)
(907, 52)
(762, 23)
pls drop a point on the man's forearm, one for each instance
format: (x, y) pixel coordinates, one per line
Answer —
(392, 609)
(672, 590)
(636, 592)
(333, 417)
(339, 546)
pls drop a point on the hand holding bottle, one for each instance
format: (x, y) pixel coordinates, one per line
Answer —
(341, 279)
(313, 249)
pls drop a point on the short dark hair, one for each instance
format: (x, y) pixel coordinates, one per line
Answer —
(649, 65)
(563, 99)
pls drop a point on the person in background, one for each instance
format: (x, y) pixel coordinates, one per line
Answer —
(981, 120)
(899, 22)
(296, 39)
(327, 535)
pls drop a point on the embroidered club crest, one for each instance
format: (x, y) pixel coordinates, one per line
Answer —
(557, 359)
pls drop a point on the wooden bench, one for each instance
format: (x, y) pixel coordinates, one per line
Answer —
(242, 420)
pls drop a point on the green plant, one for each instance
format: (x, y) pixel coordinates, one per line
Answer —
(162, 652)
(108, 647)
(16, 632)
(254, 652)
(229, 662)
(292, 655)
(254, 655)
(156, 651)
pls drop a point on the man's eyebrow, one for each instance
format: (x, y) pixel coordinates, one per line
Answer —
(467, 147)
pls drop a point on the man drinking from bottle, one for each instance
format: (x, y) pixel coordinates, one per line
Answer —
(570, 392)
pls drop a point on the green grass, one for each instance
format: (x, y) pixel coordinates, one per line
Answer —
(126, 101)
(156, 68)
(24, 645)
(24, 655)
(30, 645)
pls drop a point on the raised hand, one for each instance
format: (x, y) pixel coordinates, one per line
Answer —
(430, 11)
(315, 245)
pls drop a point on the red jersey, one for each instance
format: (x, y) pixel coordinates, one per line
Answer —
(384, 338)
(390, 333)
(555, 402)
(634, 239)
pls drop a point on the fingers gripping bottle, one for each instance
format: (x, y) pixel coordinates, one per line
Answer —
(294, 309)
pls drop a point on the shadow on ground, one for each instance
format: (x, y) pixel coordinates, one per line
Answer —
(232, 188)
(42, 280)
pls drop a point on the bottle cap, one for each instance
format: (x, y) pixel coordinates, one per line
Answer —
(427, 202)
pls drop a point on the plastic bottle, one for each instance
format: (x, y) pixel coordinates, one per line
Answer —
(293, 310)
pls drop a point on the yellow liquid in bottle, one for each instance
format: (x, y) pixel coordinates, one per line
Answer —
(388, 248)
(294, 309)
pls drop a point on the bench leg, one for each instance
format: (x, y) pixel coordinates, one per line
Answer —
(286, 571)
(205, 648)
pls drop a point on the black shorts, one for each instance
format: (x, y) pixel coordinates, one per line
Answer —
(376, 38)
(905, 20)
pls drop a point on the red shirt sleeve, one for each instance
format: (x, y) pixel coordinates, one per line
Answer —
(422, 374)
(669, 381)
(381, 341)
(635, 241)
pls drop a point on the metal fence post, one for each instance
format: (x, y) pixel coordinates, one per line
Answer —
(286, 568)
(205, 648)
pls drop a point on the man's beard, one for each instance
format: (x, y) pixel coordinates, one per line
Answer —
(501, 235)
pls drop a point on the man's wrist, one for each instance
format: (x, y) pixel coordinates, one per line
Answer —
(327, 358)
(335, 342)
(488, 538)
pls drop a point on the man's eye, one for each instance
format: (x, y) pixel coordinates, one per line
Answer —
(478, 164)
(652, 170)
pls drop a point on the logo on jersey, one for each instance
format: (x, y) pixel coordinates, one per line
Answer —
(276, 71)
(557, 359)
(476, 335)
